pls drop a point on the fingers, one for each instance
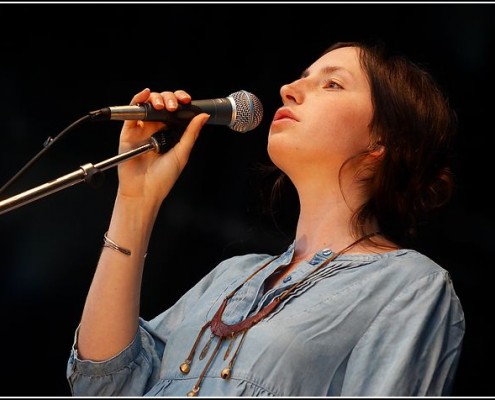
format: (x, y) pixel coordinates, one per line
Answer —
(164, 100)
(169, 100)
(140, 97)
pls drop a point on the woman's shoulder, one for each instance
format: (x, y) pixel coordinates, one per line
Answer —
(411, 267)
(414, 259)
(402, 264)
(402, 256)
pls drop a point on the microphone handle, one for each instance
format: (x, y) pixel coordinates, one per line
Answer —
(221, 112)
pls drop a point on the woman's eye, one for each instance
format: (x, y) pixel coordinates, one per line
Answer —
(331, 84)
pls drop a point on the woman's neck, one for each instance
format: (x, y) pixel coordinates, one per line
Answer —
(325, 222)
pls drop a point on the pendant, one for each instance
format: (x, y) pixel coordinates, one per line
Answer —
(227, 352)
(204, 352)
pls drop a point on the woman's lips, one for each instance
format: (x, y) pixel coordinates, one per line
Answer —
(284, 114)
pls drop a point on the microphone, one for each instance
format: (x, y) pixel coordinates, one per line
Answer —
(240, 111)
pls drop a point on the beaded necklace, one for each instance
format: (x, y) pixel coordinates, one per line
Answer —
(222, 330)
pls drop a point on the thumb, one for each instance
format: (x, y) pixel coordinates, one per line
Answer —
(183, 148)
(193, 129)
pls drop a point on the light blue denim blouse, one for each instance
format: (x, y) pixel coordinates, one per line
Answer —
(366, 325)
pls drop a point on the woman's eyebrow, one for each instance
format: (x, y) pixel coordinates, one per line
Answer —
(326, 70)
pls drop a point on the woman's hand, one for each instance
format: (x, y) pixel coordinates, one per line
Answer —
(152, 175)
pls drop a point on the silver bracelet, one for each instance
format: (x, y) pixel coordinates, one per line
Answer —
(111, 244)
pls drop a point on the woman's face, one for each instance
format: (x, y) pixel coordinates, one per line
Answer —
(325, 116)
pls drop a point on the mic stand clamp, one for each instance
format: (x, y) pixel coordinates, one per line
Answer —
(93, 176)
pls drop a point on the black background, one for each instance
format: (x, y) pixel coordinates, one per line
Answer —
(60, 61)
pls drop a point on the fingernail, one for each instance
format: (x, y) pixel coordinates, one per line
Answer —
(206, 120)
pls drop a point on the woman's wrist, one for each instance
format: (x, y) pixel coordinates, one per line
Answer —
(131, 223)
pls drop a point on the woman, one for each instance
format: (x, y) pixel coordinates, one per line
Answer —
(365, 140)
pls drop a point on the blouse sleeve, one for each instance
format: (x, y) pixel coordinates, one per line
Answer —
(136, 368)
(413, 346)
(128, 373)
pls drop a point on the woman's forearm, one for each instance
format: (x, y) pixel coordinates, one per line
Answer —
(110, 317)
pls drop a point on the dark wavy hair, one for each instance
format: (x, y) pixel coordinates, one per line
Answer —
(413, 121)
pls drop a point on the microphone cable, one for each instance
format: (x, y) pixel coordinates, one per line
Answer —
(47, 144)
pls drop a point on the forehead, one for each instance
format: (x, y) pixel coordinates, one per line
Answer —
(345, 59)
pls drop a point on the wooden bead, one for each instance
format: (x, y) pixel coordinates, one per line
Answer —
(185, 368)
(225, 374)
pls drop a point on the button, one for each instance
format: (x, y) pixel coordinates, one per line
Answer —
(327, 252)
(287, 278)
(314, 261)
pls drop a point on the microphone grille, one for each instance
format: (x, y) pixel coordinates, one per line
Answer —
(248, 111)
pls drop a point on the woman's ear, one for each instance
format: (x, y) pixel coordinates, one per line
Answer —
(377, 151)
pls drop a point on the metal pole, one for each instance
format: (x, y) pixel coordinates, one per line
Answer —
(85, 172)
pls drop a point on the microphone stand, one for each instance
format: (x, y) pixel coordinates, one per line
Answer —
(91, 174)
